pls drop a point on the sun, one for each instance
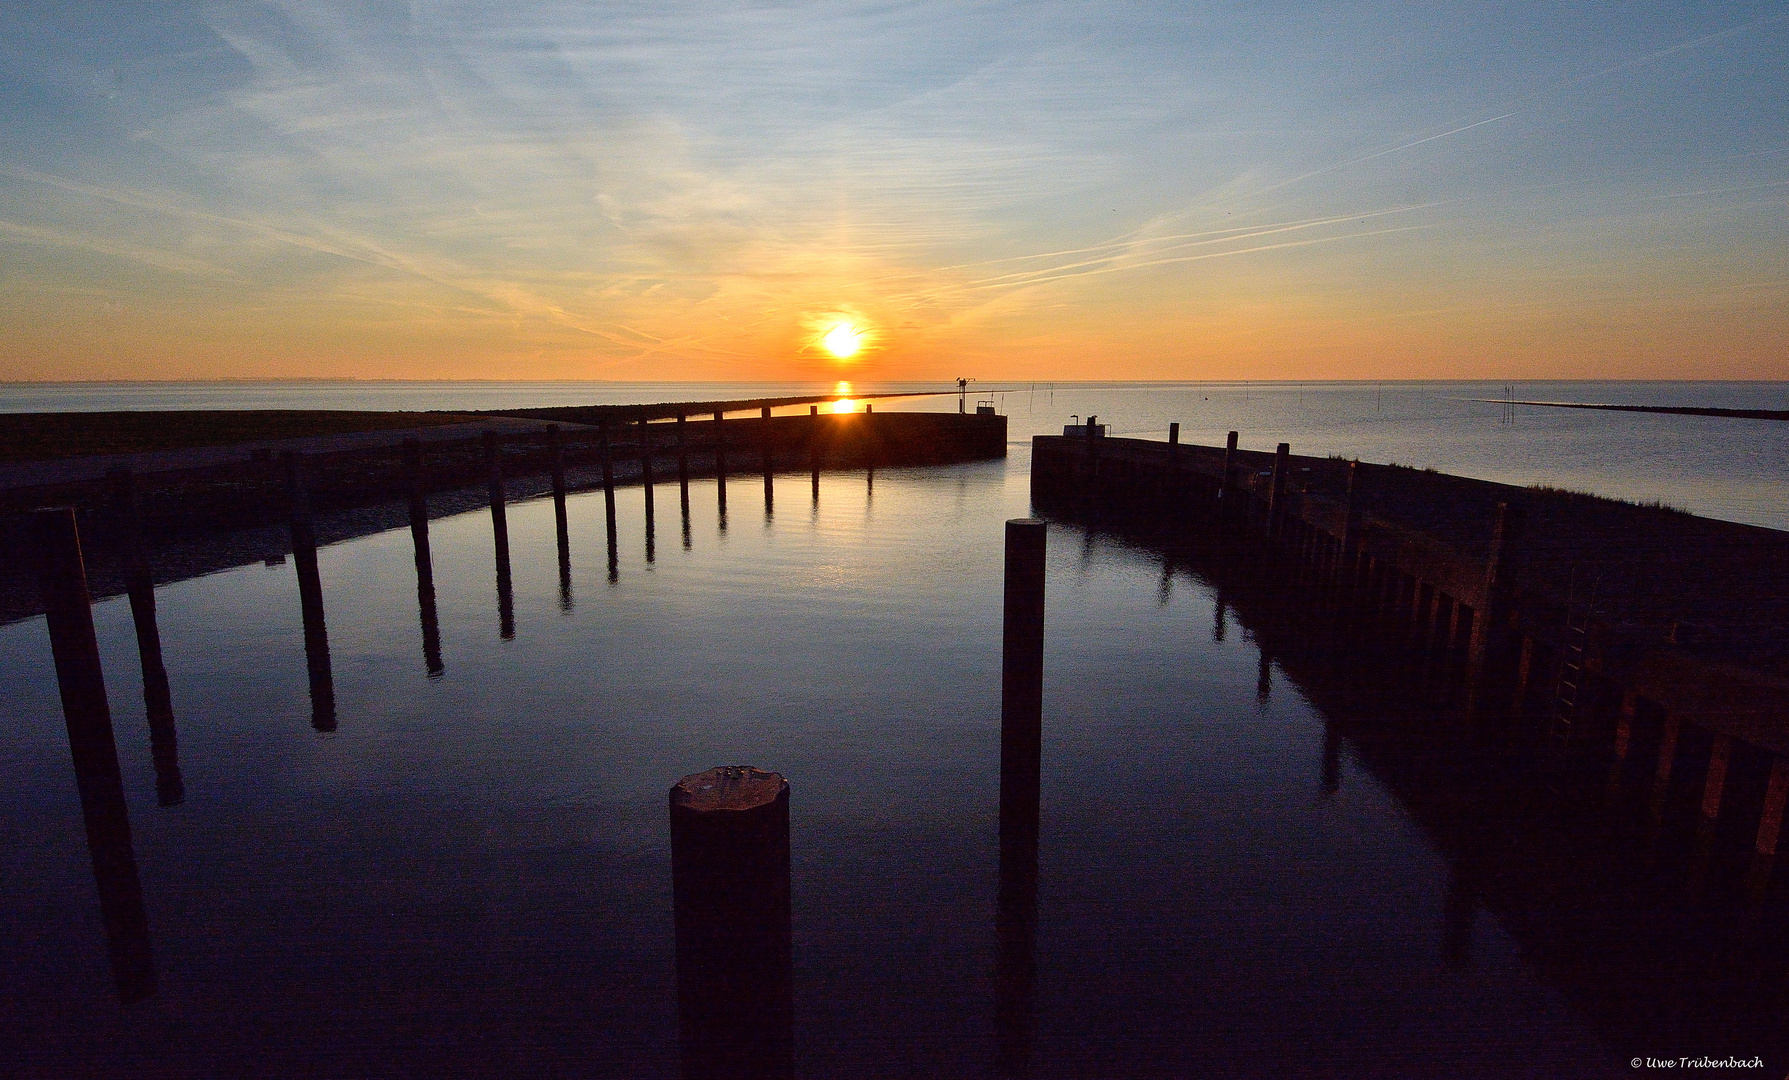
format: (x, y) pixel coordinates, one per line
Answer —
(842, 340)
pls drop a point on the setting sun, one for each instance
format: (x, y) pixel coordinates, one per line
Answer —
(842, 340)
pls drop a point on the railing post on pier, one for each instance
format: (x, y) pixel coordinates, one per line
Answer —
(68, 611)
(416, 493)
(1276, 493)
(731, 909)
(310, 593)
(139, 584)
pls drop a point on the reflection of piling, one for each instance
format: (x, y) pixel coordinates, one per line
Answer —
(425, 563)
(506, 606)
(561, 527)
(310, 593)
(139, 584)
(730, 886)
(1021, 741)
(69, 615)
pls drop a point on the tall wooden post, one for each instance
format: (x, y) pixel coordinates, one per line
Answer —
(417, 494)
(506, 607)
(62, 579)
(310, 593)
(139, 584)
(731, 908)
(1021, 745)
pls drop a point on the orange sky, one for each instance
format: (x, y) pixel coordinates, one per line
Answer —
(274, 193)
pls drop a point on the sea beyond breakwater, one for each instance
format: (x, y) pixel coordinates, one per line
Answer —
(1717, 467)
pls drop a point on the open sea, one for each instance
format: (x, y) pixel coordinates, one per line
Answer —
(471, 875)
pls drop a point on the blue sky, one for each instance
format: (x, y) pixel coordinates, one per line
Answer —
(1018, 190)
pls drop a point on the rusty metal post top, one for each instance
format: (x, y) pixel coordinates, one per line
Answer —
(727, 788)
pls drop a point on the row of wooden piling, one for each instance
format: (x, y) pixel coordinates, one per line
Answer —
(1456, 609)
(729, 826)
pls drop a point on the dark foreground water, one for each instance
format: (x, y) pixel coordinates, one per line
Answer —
(471, 875)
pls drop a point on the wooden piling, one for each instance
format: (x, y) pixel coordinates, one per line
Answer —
(683, 455)
(310, 592)
(416, 493)
(561, 526)
(814, 448)
(1227, 483)
(1021, 744)
(731, 909)
(68, 613)
(602, 433)
(139, 585)
(506, 609)
(720, 468)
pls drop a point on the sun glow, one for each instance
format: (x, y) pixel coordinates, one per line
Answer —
(842, 340)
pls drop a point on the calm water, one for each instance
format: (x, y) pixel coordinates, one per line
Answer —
(471, 876)
(1732, 469)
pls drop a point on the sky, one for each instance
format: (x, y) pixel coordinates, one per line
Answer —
(1032, 190)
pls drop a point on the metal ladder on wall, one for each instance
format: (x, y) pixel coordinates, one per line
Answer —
(1574, 649)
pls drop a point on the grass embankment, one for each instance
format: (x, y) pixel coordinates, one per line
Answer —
(56, 436)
